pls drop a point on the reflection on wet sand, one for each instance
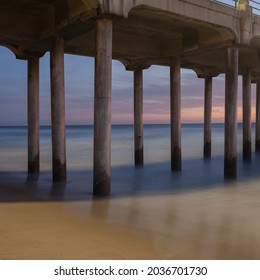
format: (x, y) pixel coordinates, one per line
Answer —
(217, 223)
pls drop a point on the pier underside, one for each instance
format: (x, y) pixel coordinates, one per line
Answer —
(147, 36)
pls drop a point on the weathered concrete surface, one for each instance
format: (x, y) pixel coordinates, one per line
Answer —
(144, 32)
(230, 161)
(58, 110)
(102, 107)
(202, 10)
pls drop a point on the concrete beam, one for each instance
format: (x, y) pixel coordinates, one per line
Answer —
(246, 25)
(58, 111)
(215, 13)
(138, 46)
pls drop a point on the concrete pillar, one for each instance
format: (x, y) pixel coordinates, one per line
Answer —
(230, 162)
(33, 116)
(207, 117)
(102, 107)
(175, 100)
(58, 110)
(257, 121)
(242, 2)
(138, 116)
(247, 150)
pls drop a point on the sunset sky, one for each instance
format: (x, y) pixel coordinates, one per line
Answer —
(79, 88)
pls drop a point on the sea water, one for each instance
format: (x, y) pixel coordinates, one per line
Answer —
(154, 177)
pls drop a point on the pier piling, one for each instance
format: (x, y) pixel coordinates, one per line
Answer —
(207, 117)
(138, 116)
(33, 116)
(257, 122)
(102, 107)
(230, 161)
(175, 100)
(247, 150)
(58, 110)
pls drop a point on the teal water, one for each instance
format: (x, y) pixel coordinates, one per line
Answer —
(13, 145)
(156, 171)
(79, 140)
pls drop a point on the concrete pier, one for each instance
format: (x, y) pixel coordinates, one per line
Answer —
(58, 110)
(247, 124)
(33, 116)
(230, 161)
(145, 33)
(138, 116)
(102, 107)
(207, 117)
(257, 122)
(175, 100)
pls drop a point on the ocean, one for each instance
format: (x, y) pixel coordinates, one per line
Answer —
(152, 213)
(79, 149)
(155, 176)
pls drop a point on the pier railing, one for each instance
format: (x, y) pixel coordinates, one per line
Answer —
(256, 6)
(233, 3)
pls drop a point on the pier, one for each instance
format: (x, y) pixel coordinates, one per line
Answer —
(206, 36)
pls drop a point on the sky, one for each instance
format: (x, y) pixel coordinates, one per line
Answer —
(79, 93)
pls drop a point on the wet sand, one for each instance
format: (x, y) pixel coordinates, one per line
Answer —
(207, 223)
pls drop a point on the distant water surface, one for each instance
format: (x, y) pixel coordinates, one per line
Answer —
(13, 145)
(196, 172)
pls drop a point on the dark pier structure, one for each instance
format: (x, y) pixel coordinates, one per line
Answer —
(206, 36)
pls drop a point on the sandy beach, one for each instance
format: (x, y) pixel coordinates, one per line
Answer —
(217, 223)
